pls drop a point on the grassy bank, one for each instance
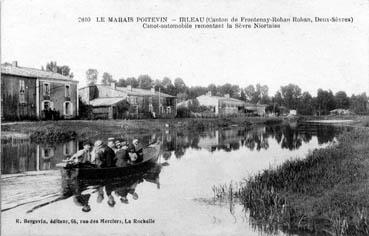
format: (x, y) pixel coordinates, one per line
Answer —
(67, 129)
(328, 191)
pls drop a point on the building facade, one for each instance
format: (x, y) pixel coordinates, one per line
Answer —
(221, 105)
(28, 93)
(113, 102)
(228, 106)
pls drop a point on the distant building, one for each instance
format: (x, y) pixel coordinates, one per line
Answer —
(113, 102)
(292, 112)
(26, 93)
(257, 109)
(341, 112)
(221, 105)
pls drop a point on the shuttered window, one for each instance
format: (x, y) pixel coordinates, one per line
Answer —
(22, 90)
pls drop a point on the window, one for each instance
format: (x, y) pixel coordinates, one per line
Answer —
(22, 89)
(47, 152)
(133, 100)
(68, 108)
(68, 148)
(67, 91)
(46, 105)
(46, 89)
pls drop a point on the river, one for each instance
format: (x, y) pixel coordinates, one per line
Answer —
(174, 197)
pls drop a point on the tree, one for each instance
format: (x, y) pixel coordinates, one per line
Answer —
(213, 89)
(179, 85)
(243, 95)
(235, 91)
(168, 87)
(107, 79)
(262, 93)
(182, 97)
(306, 104)
(132, 81)
(145, 81)
(229, 89)
(166, 82)
(359, 103)
(251, 95)
(277, 99)
(91, 76)
(325, 102)
(51, 66)
(291, 94)
(122, 82)
(194, 92)
(342, 101)
(63, 70)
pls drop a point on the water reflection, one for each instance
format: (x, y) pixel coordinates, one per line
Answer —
(22, 155)
(115, 191)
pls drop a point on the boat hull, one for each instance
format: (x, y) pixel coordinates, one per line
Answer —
(112, 172)
(105, 173)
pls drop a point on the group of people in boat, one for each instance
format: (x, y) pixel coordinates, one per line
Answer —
(115, 153)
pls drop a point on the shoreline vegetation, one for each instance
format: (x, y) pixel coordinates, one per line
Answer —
(64, 130)
(326, 192)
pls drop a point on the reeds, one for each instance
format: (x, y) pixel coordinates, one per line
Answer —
(328, 191)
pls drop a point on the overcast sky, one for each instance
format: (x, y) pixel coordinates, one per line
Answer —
(329, 56)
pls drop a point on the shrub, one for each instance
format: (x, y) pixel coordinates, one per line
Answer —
(52, 134)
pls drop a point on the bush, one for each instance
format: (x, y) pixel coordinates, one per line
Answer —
(183, 112)
(52, 134)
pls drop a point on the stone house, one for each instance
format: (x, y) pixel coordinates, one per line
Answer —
(27, 92)
(221, 105)
(113, 102)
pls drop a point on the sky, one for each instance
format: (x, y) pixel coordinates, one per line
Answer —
(328, 56)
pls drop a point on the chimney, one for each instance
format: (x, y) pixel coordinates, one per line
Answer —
(129, 87)
(226, 95)
(15, 63)
(152, 90)
(113, 85)
(208, 93)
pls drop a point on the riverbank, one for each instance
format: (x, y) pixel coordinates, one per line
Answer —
(327, 192)
(346, 120)
(44, 130)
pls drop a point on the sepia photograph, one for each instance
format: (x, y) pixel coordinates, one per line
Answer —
(198, 118)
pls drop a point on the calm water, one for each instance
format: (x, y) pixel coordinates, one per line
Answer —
(172, 197)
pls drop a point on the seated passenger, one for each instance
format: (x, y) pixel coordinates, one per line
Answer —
(111, 144)
(121, 155)
(135, 152)
(97, 156)
(109, 157)
(102, 155)
(83, 155)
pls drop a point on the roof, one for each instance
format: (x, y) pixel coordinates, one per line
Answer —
(33, 73)
(105, 101)
(247, 104)
(223, 98)
(142, 92)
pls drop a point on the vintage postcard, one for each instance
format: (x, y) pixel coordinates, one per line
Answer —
(212, 117)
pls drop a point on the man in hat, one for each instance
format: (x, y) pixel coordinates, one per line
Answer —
(102, 155)
(111, 144)
(83, 155)
(110, 153)
(97, 156)
(135, 152)
(121, 155)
